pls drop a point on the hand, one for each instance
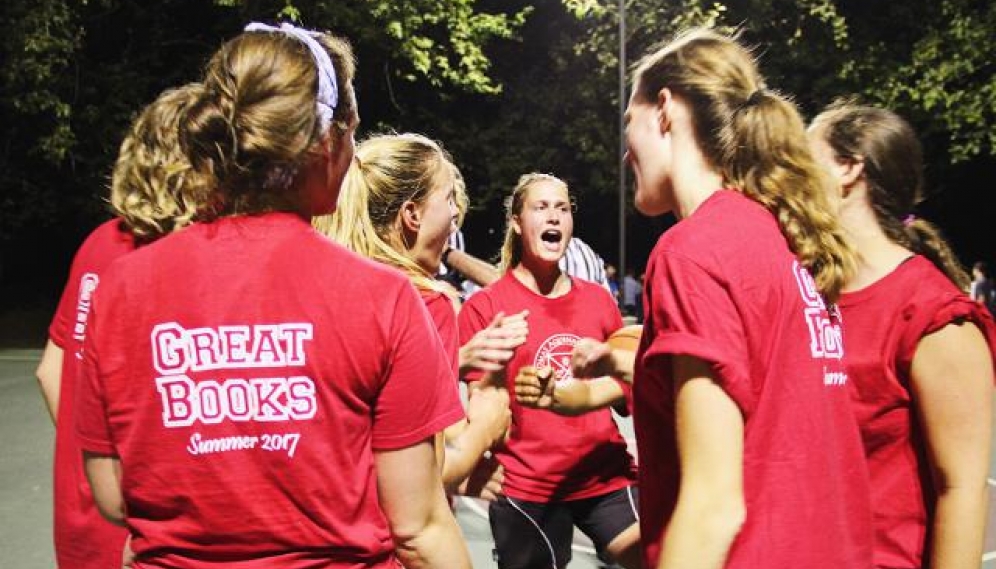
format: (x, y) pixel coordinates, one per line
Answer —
(534, 387)
(491, 348)
(485, 481)
(592, 358)
(487, 410)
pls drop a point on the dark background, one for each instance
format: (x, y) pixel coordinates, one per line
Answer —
(557, 112)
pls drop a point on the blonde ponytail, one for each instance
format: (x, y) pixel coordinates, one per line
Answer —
(756, 139)
(388, 171)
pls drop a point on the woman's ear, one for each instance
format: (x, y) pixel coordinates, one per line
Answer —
(515, 225)
(850, 172)
(664, 98)
(411, 216)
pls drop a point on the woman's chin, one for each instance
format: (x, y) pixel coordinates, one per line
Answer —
(648, 206)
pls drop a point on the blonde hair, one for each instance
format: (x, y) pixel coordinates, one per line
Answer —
(511, 249)
(257, 124)
(153, 187)
(756, 140)
(888, 148)
(388, 171)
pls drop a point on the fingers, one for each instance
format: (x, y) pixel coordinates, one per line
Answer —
(514, 319)
(591, 358)
(533, 386)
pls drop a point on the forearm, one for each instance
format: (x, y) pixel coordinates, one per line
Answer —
(700, 538)
(579, 397)
(959, 528)
(464, 448)
(623, 361)
(104, 475)
(481, 272)
(438, 544)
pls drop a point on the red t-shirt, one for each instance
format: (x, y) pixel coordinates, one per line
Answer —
(723, 286)
(550, 457)
(443, 314)
(83, 538)
(244, 372)
(883, 324)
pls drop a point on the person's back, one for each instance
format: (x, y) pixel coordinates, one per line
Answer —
(153, 192)
(777, 353)
(267, 391)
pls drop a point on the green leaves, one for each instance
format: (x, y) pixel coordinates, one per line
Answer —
(443, 41)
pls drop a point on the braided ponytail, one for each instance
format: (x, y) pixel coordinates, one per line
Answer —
(892, 157)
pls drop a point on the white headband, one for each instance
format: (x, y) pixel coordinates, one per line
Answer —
(328, 91)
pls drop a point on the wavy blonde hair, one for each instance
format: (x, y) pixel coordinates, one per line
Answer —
(756, 139)
(256, 123)
(511, 249)
(154, 189)
(893, 168)
(389, 170)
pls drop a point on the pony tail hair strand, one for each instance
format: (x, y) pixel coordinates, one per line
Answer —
(769, 159)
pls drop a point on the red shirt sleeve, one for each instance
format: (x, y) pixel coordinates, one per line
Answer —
(924, 320)
(443, 315)
(419, 396)
(696, 316)
(92, 427)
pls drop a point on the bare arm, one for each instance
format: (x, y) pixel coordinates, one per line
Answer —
(481, 272)
(49, 374)
(411, 494)
(710, 509)
(104, 475)
(952, 381)
(488, 418)
(591, 358)
(535, 388)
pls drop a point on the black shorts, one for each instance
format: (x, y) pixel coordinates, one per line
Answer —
(530, 535)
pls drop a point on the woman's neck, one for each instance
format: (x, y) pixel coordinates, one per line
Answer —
(877, 254)
(693, 179)
(543, 279)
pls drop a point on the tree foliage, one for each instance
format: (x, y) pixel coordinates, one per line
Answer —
(508, 86)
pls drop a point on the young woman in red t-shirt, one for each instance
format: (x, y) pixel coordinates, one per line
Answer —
(154, 191)
(401, 200)
(253, 394)
(918, 359)
(565, 462)
(749, 453)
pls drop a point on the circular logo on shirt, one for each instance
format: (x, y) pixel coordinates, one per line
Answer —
(555, 352)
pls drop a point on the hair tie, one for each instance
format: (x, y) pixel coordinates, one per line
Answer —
(908, 220)
(753, 99)
(328, 91)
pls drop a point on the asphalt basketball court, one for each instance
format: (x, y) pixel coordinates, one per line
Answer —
(26, 439)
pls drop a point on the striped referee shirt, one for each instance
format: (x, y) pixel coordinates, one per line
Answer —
(583, 262)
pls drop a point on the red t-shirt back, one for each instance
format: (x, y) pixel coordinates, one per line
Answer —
(550, 457)
(244, 371)
(723, 286)
(83, 538)
(883, 324)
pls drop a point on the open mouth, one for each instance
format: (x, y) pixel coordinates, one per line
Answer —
(551, 239)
